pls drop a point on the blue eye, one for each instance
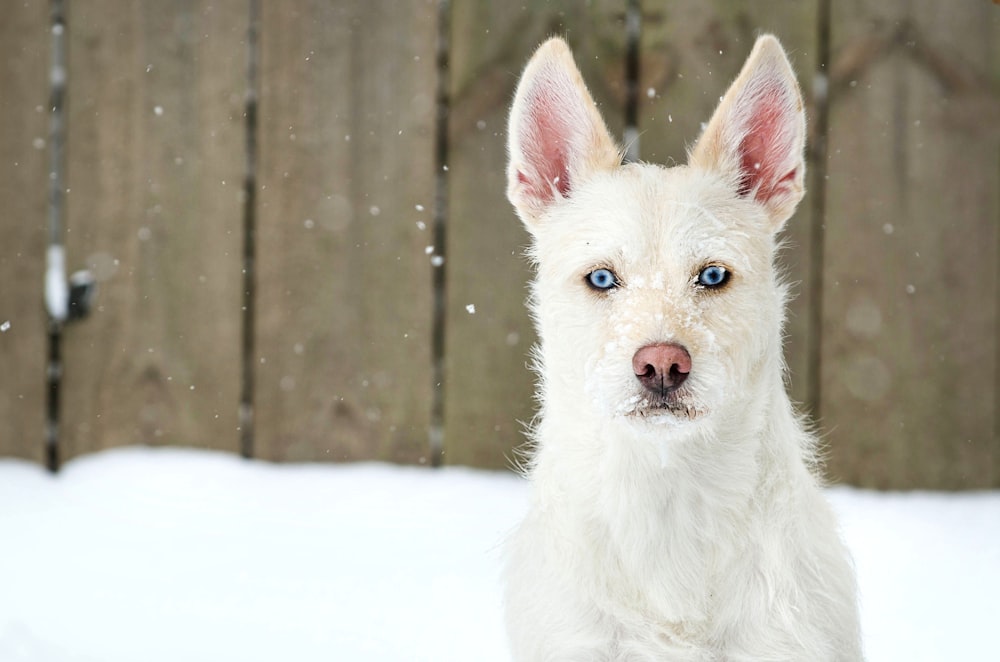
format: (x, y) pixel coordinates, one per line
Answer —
(602, 279)
(713, 276)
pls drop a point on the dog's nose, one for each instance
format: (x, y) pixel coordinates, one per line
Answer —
(662, 367)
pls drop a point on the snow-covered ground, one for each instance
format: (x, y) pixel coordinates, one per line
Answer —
(170, 555)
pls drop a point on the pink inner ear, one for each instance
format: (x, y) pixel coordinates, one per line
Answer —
(546, 147)
(767, 146)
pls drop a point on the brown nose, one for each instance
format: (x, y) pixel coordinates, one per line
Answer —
(661, 368)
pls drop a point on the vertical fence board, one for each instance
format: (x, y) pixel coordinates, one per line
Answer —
(691, 52)
(155, 161)
(24, 47)
(488, 386)
(911, 290)
(346, 158)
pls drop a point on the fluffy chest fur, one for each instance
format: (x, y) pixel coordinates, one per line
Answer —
(722, 550)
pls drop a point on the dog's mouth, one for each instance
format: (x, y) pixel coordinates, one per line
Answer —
(671, 406)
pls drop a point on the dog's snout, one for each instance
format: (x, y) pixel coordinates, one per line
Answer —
(662, 367)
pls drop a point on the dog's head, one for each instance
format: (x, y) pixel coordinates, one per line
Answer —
(656, 297)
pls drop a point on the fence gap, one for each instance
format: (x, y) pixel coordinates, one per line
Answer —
(817, 187)
(439, 280)
(633, 29)
(56, 296)
(995, 477)
(246, 421)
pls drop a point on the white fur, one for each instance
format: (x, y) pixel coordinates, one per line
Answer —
(652, 535)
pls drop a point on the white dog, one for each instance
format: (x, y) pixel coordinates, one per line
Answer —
(675, 512)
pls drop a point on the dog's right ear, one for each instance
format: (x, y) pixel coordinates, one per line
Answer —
(555, 136)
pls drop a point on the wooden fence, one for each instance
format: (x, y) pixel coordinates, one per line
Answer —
(378, 222)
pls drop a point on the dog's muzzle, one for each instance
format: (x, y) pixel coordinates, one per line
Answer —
(662, 369)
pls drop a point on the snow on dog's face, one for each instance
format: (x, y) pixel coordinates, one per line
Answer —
(655, 296)
(675, 262)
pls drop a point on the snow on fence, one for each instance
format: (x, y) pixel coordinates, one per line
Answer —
(295, 213)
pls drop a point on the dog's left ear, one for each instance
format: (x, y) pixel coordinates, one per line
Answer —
(757, 134)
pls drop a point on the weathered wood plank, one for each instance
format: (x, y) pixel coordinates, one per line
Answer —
(346, 172)
(691, 51)
(911, 290)
(24, 50)
(155, 160)
(488, 386)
